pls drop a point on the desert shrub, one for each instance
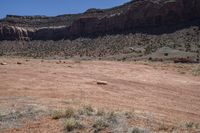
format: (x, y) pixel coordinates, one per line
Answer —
(78, 61)
(196, 125)
(63, 114)
(196, 71)
(1, 53)
(189, 125)
(148, 49)
(128, 114)
(112, 117)
(163, 128)
(166, 54)
(80, 111)
(87, 109)
(100, 112)
(69, 113)
(150, 58)
(58, 114)
(71, 124)
(1, 116)
(138, 130)
(100, 124)
(124, 58)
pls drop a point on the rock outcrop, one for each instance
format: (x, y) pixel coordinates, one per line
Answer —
(126, 18)
(15, 33)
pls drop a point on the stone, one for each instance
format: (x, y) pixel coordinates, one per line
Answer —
(3, 63)
(102, 83)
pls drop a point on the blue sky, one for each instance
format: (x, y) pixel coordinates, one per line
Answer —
(52, 7)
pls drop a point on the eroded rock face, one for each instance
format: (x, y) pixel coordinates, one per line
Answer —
(52, 33)
(15, 33)
(135, 14)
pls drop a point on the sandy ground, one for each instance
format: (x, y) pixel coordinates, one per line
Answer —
(159, 91)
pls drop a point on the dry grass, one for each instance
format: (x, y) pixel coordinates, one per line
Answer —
(163, 128)
(88, 110)
(112, 116)
(71, 124)
(57, 114)
(1, 117)
(196, 71)
(100, 124)
(192, 125)
(138, 130)
(100, 112)
(68, 113)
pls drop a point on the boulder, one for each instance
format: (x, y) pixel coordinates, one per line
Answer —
(3, 63)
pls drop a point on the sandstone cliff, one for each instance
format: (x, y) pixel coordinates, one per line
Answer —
(137, 14)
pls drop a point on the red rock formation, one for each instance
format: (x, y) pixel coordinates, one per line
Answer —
(135, 14)
(15, 33)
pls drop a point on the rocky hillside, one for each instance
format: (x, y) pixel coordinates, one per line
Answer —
(140, 29)
(130, 17)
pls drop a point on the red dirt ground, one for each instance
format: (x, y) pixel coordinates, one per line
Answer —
(162, 92)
